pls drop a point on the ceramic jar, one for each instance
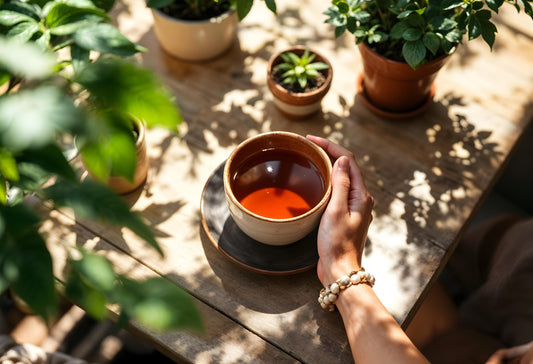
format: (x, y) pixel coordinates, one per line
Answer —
(195, 40)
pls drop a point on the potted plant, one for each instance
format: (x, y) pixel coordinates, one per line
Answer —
(63, 74)
(115, 180)
(411, 39)
(199, 30)
(298, 78)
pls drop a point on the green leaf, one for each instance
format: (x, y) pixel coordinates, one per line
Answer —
(351, 25)
(51, 159)
(105, 38)
(86, 296)
(34, 282)
(339, 31)
(26, 60)
(27, 8)
(63, 15)
(156, 4)
(32, 177)
(343, 7)
(122, 152)
(105, 5)
(3, 200)
(44, 40)
(398, 29)
(80, 57)
(302, 80)
(9, 18)
(133, 90)
(23, 31)
(454, 36)
(414, 53)
(31, 118)
(94, 201)
(412, 34)
(271, 5)
(75, 25)
(318, 66)
(494, 5)
(488, 32)
(432, 42)
(95, 270)
(451, 4)
(159, 304)
(8, 166)
(243, 8)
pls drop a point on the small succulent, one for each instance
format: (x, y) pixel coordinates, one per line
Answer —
(300, 69)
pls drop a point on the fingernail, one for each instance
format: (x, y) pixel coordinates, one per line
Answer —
(343, 162)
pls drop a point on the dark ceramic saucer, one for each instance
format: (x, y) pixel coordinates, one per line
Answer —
(243, 250)
(391, 114)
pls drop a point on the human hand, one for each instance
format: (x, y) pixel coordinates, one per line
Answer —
(522, 354)
(344, 224)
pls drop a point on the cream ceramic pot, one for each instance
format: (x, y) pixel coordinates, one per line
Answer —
(195, 40)
(268, 230)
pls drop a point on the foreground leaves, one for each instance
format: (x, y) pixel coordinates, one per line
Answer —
(156, 302)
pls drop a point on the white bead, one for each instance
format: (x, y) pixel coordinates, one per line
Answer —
(343, 281)
(355, 279)
(372, 279)
(332, 298)
(361, 275)
(325, 300)
(334, 288)
(323, 305)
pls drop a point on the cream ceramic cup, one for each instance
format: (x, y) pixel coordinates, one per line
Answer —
(267, 230)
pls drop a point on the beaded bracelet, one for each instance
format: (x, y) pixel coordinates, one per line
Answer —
(329, 295)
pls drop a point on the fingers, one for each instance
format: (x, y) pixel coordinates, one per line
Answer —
(335, 151)
(340, 185)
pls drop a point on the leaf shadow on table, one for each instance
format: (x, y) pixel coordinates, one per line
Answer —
(424, 174)
(226, 100)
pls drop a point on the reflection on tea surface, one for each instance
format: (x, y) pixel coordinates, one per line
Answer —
(278, 184)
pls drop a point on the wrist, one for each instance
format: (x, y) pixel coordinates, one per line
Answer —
(330, 272)
(329, 294)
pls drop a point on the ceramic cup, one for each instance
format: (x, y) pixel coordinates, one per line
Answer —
(277, 185)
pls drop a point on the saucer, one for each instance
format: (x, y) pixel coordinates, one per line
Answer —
(392, 114)
(243, 250)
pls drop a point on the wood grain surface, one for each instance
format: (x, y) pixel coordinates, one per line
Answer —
(428, 175)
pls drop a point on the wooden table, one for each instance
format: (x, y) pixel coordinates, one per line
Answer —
(428, 175)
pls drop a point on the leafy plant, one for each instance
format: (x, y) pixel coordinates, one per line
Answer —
(204, 9)
(416, 31)
(62, 74)
(299, 69)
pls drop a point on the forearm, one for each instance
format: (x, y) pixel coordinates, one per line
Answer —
(374, 335)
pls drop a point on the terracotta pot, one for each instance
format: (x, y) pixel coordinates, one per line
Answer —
(295, 105)
(394, 87)
(122, 185)
(195, 40)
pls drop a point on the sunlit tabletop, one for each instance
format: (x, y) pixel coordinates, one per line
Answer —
(428, 175)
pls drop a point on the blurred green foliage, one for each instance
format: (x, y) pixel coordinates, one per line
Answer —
(66, 72)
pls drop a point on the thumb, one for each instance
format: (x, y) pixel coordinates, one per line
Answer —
(340, 184)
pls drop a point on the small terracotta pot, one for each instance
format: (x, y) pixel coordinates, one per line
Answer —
(394, 87)
(295, 105)
(195, 40)
(122, 185)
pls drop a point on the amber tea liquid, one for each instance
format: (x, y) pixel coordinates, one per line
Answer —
(278, 184)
